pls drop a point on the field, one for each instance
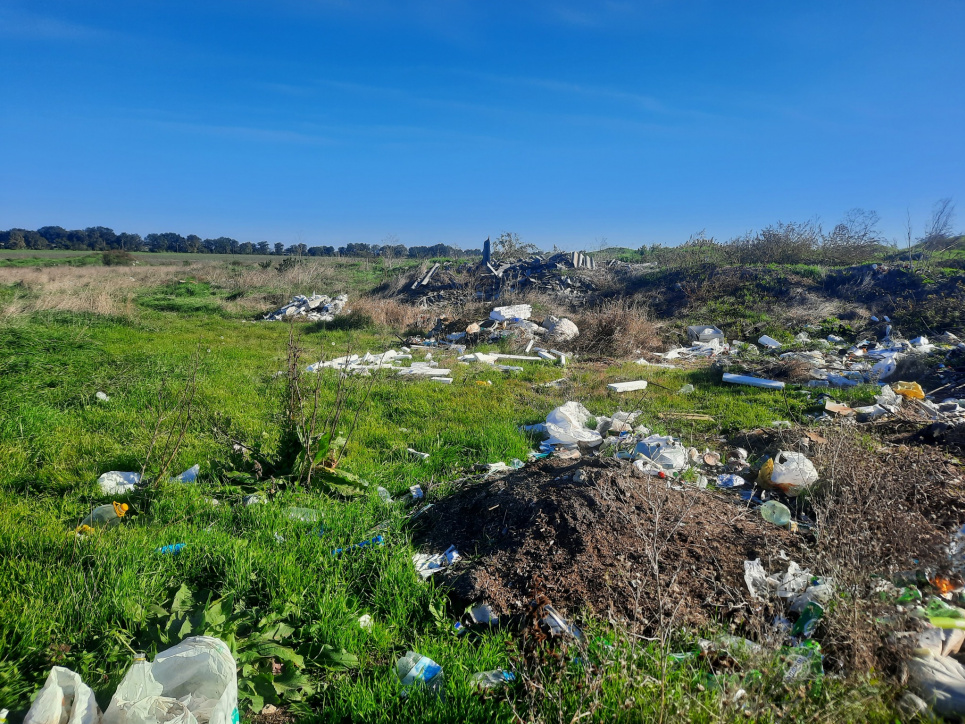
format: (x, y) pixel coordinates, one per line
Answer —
(149, 335)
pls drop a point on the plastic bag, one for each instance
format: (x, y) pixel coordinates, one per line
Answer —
(64, 699)
(192, 683)
(793, 473)
(665, 451)
(911, 390)
(566, 425)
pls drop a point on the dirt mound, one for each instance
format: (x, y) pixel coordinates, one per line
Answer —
(593, 535)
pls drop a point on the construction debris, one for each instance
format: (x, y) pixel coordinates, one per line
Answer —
(450, 282)
(316, 308)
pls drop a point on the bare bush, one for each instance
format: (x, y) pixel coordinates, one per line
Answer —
(617, 328)
(782, 243)
(879, 510)
(855, 240)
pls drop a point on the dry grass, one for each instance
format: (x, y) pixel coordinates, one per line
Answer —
(87, 289)
(617, 328)
(395, 315)
(805, 307)
(110, 290)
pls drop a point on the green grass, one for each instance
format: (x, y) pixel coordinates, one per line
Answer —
(13, 258)
(81, 602)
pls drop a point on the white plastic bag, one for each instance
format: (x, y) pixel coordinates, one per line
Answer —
(64, 699)
(793, 473)
(566, 425)
(194, 682)
(665, 451)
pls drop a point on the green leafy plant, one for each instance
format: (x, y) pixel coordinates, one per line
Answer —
(271, 658)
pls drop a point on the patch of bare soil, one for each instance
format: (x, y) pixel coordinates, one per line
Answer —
(592, 534)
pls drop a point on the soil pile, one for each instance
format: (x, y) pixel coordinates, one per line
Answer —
(593, 535)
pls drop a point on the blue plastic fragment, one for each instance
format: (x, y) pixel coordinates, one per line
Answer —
(172, 549)
(377, 541)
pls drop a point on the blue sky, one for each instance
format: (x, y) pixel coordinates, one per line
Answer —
(330, 121)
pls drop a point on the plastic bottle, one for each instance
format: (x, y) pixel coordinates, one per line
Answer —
(139, 683)
(491, 679)
(777, 513)
(304, 514)
(105, 516)
(416, 669)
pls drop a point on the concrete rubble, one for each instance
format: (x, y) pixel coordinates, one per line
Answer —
(316, 308)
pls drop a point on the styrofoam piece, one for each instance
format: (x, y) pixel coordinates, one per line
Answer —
(627, 386)
(515, 311)
(753, 381)
(424, 371)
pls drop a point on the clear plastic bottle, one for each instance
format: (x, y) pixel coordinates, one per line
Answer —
(777, 513)
(416, 669)
(139, 683)
(304, 514)
(491, 679)
(105, 516)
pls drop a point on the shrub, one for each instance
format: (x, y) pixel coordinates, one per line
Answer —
(117, 257)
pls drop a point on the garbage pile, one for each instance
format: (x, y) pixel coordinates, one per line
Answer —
(833, 363)
(580, 535)
(503, 322)
(936, 674)
(448, 283)
(316, 308)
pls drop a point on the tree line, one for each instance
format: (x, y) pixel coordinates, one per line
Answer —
(101, 238)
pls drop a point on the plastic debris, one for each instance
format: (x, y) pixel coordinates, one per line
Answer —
(940, 681)
(104, 516)
(118, 483)
(703, 333)
(306, 515)
(730, 480)
(911, 390)
(666, 452)
(777, 513)
(417, 670)
(752, 381)
(376, 541)
(172, 549)
(793, 473)
(558, 625)
(426, 564)
(769, 342)
(365, 622)
(483, 614)
(566, 426)
(195, 681)
(491, 679)
(102, 396)
(64, 698)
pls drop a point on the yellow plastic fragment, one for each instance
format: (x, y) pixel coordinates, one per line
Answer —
(911, 390)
